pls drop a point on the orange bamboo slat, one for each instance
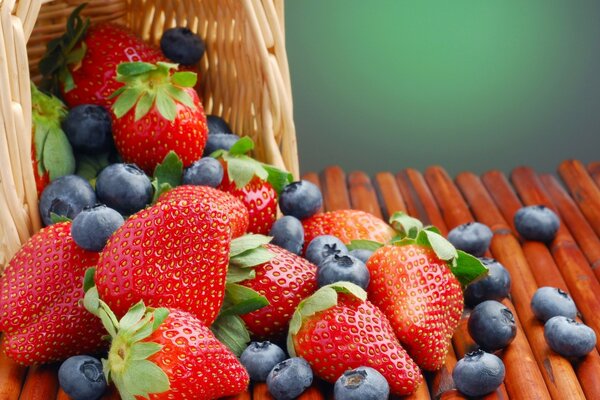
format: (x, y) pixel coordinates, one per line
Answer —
(11, 377)
(389, 194)
(413, 186)
(335, 190)
(41, 383)
(583, 190)
(594, 170)
(362, 194)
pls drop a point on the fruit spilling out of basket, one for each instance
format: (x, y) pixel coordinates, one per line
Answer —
(163, 255)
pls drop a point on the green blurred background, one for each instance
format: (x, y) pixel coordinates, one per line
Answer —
(386, 85)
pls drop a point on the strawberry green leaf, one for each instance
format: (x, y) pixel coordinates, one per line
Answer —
(232, 332)
(91, 300)
(88, 279)
(247, 242)
(144, 105)
(55, 218)
(133, 316)
(277, 177)
(166, 106)
(58, 156)
(242, 300)
(88, 166)
(242, 146)
(167, 175)
(107, 321)
(143, 350)
(134, 68)
(468, 268)
(160, 315)
(239, 171)
(185, 78)
(126, 101)
(434, 229)
(237, 274)
(405, 224)
(181, 96)
(143, 377)
(440, 245)
(251, 258)
(370, 245)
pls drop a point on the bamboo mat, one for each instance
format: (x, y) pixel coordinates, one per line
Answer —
(571, 262)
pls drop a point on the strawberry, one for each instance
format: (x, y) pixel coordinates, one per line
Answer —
(157, 111)
(168, 354)
(40, 293)
(337, 329)
(172, 254)
(81, 64)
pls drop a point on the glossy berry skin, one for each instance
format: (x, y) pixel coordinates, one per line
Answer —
(40, 294)
(124, 187)
(347, 225)
(537, 223)
(219, 141)
(362, 254)
(352, 334)
(492, 325)
(324, 246)
(285, 280)
(287, 232)
(362, 383)
(473, 238)
(343, 268)
(206, 171)
(478, 373)
(420, 296)
(289, 379)
(93, 226)
(89, 128)
(548, 302)
(81, 377)
(217, 124)
(494, 286)
(259, 358)
(568, 337)
(172, 254)
(301, 199)
(182, 46)
(66, 196)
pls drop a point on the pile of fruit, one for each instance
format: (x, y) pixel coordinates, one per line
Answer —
(163, 255)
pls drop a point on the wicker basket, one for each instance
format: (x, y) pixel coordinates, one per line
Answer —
(245, 79)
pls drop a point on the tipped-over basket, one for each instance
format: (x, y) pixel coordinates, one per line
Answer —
(245, 79)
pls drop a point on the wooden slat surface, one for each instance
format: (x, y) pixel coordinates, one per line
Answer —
(571, 262)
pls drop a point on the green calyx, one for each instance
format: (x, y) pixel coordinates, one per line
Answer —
(63, 52)
(167, 175)
(152, 85)
(323, 299)
(241, 168)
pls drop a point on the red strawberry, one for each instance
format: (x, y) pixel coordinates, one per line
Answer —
(234, 208)
(337, 329)
(156, 112)
(347, 225)
(40, 292)
(172, 254)
(169, 354)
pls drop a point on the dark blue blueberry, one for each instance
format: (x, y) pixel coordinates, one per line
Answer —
(66, 196)
(473, 238)
(288, 233)
(537, 223)
(206, 171)
(568, 337)
(548, 302)
(492, 325)
(124, 187)
(478, 373)
(94, 225)
(362, 383)
(219, 141)
(259, 358)
(322, 247)
(81, 377)
(362, 254)
(217, 124)
(301, 199)
(343, 268)
(494, 286)
(288, 379)
(182, 46)
(89, 128)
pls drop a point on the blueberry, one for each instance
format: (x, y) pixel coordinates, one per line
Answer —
(362, 383)
(218, 141)
(494, 286)
(537, 223)
(288, 379)
(492, 325)
(124, 187)
(288, 233)
(92, 227)
(182, 46)
(259, 358)
(478, 373)
(81, 377)
(473, 238)
(89, 128)
(66, 196)
(362, 254)
(322, 247)
(343, 268)
(568, 337)
(206, 171)
(548, 302)
(217, 124)
(302, 199)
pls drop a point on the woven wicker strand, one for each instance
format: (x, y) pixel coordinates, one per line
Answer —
(245, 79)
